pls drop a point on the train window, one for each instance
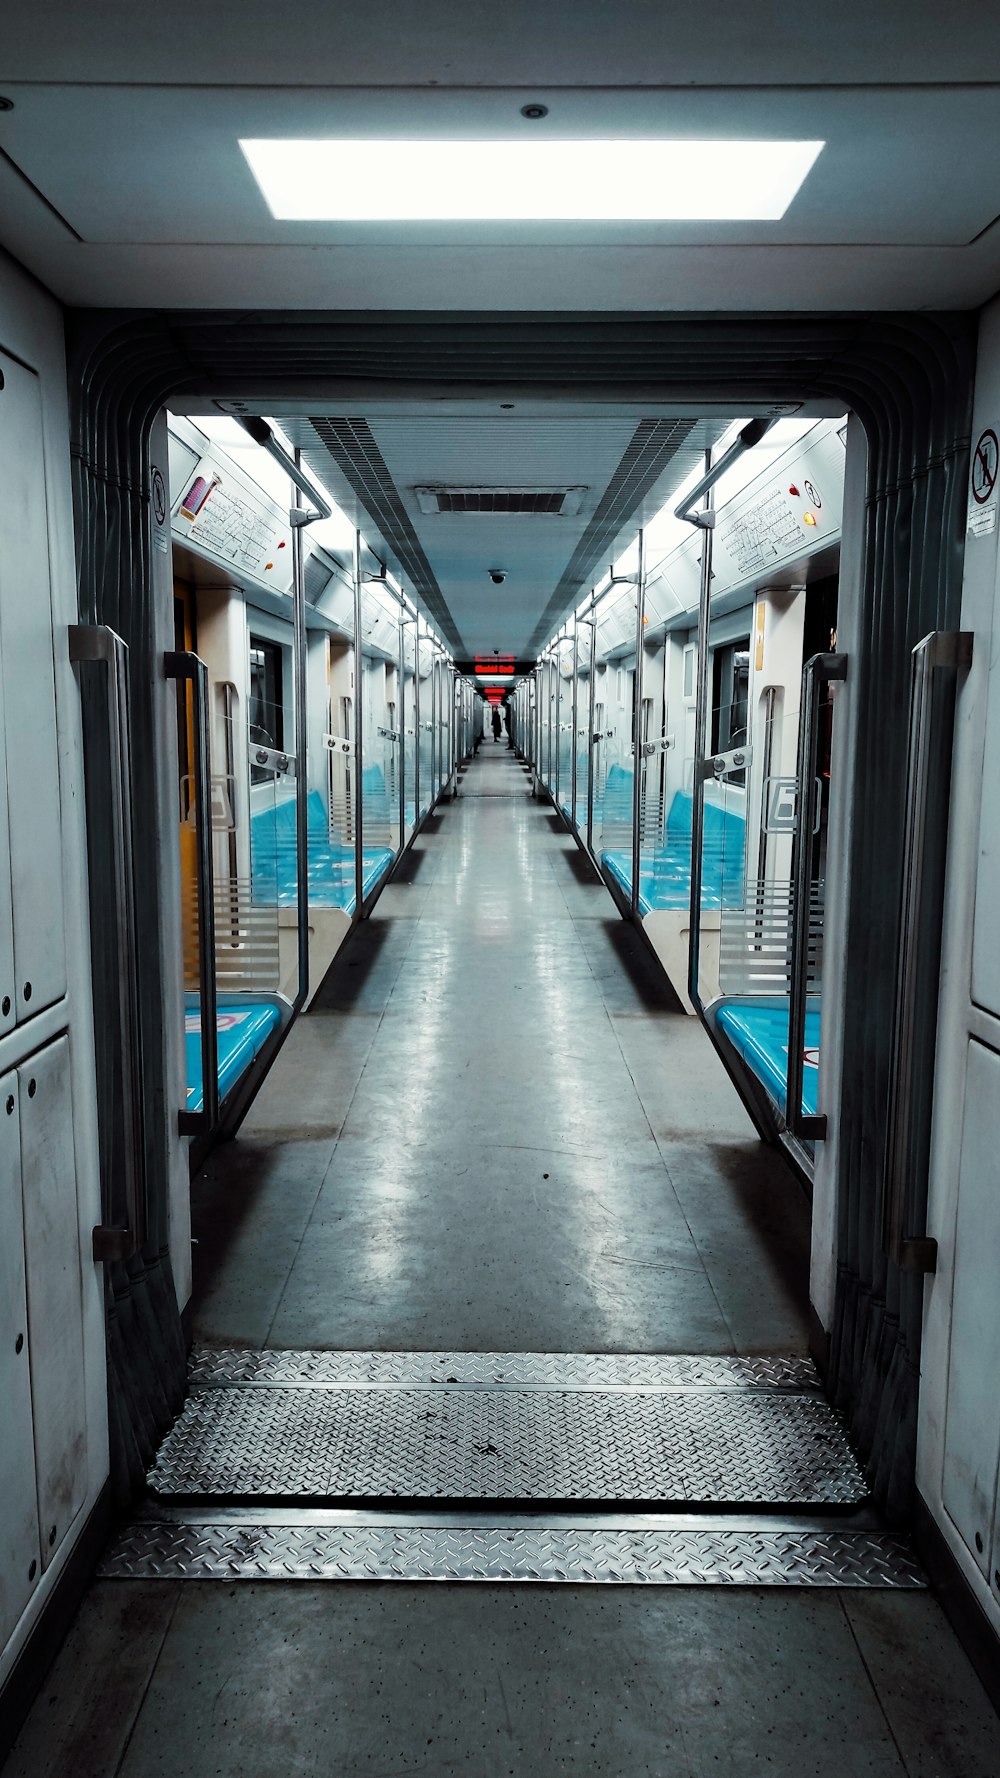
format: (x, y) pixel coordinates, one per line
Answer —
(690, 656)
(730, 693)
(265, 706)
(730, 688)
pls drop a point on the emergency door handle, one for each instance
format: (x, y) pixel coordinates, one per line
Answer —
(98, 645)
(822, 669)
(191, 670)
(923, 878)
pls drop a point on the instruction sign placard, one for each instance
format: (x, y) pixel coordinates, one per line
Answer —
(983, 484)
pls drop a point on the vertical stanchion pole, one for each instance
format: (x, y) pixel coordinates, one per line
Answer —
(700, 747)
(640, 614)
(592, 761)
(301, 748)
(574, 719)
(416, 718)
(401, 724)
(359, 678)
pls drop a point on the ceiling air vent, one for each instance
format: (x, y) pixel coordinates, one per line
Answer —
(562, 502)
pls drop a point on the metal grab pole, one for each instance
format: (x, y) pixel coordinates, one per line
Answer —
(191, 670)
(301, 748)
(416, 719)
(103, 646)
(574, 721)
(556, 726)
(591, 737)
(706, 520)
(359, 844)
(821, 668)
(401, 728)
(434, 723)
(920, 904)
(640, 613)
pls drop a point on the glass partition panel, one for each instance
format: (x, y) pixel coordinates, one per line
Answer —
(425, 713)
(611, 745)
(666, 785)
(331, 796)
(552, 722)
(581, 735)
(410, 736)
(766, 774)
(566, 669)
(379, 699)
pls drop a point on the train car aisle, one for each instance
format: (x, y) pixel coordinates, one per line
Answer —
(494, 1131)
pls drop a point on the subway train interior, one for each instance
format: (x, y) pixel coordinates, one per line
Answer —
(499, 986)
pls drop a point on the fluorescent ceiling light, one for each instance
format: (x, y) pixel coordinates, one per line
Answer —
(505, 181)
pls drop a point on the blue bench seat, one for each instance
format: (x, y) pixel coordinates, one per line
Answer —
(665, 875)
(273, 860)
(241, 1032)
(758, 1031)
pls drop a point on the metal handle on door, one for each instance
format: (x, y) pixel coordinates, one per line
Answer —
(938, 650)
(191, 670)
(99, 645)
(820, 670)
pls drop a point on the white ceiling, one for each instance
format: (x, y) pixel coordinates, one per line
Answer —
(504, 450)
(121, 181)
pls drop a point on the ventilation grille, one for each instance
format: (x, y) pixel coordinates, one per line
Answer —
(562, 502)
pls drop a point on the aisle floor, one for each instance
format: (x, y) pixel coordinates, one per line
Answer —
(496, 1131)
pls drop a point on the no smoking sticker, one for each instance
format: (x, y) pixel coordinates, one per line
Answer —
(983, 484)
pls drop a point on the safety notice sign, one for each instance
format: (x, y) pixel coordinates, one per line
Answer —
(983, 484)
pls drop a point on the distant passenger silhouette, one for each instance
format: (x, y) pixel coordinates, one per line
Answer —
(497, 725)
(508, 724)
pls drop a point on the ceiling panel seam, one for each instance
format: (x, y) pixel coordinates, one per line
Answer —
(652, 446)
(351, 444)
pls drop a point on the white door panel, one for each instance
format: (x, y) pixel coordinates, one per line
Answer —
(20, 1557)
(972, 1433)
(8, 997)
(29, 700)
(985, 945)
(55, 1297)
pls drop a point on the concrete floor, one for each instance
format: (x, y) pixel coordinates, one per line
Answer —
(494, 1131)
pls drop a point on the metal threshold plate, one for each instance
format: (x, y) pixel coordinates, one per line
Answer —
(161, 1550)
(220, 1366)
(720, 1443)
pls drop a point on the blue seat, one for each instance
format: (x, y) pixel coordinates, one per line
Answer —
(241, 1032)
(665, 875)
(758, 1031)
(273, 857)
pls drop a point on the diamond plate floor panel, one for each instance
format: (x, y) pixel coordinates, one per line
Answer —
(220, 1366)
(672, 1445)
(171, 1551)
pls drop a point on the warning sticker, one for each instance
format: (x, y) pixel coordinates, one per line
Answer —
(983, 484)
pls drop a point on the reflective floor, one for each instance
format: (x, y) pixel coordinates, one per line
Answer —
(495, 1131)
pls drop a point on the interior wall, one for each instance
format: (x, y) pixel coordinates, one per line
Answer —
(909, 380)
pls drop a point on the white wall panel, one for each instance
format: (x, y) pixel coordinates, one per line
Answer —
(8, 1010)
(18, 1509)
(29, 699)
(55, 1300)
(972, 1433)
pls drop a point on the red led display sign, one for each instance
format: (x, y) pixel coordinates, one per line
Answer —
(500, 664)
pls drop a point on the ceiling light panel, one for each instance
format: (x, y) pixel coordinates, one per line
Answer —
(347, 180)
(554, 502)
